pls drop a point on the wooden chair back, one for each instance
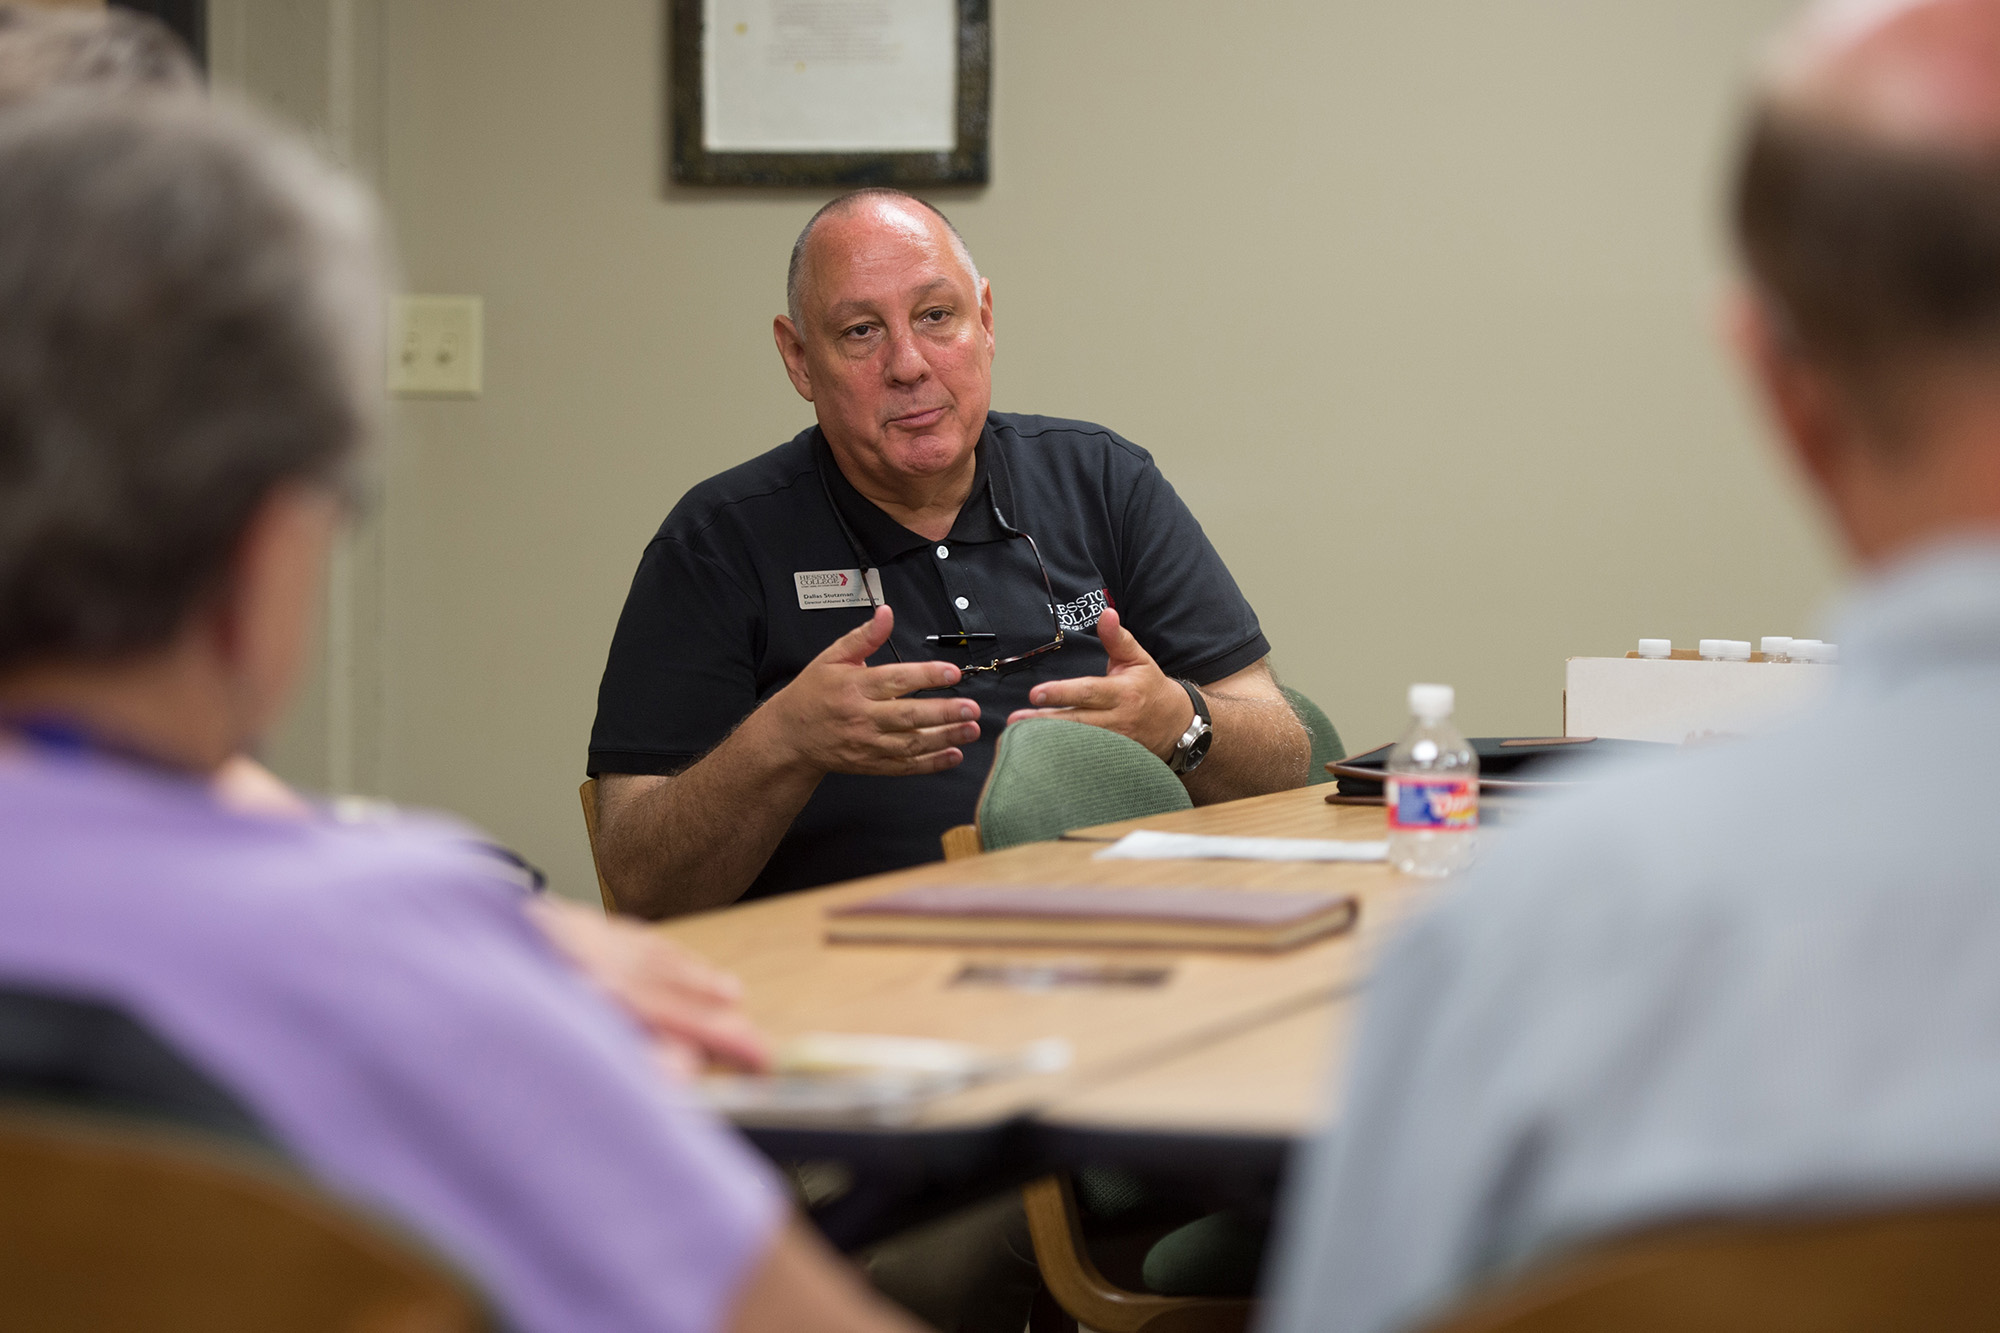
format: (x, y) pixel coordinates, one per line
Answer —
(1088, 1297)
(587, 793)
(115, 1227)
(961, 840)
(1933, 1268)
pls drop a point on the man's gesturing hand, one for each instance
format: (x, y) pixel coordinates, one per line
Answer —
(1133, 697)
(841, 715)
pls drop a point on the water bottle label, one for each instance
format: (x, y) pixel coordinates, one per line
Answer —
(1446, 805)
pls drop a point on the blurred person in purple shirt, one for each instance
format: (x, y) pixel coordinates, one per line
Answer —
(190, 309)
(689, 1007)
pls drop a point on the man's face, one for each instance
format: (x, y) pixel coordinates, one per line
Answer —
(895, 344)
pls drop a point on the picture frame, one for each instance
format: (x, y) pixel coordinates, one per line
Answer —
(691, 163)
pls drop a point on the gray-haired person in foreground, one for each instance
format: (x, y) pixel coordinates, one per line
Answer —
(190, 361)
(107, 51)
(691, 1010)
(1757, 978)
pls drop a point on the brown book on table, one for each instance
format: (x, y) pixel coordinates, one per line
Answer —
(1019, 914)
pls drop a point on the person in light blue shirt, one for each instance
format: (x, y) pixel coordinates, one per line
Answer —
(1763, 977)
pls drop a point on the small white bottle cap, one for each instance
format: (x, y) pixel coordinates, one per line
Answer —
(1656, 647)
(1432, 703)
(1806, 650)
(1736, 650)
(1712, 649)
(1774, 645)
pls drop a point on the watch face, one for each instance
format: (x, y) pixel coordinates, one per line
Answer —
(1185, 760)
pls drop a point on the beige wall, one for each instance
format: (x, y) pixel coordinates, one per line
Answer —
(1413, 302)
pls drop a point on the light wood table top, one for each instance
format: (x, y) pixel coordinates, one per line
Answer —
(1276, 1076)
(1275, 1079)
(796, 982)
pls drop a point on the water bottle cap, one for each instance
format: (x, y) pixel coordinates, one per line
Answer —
(1432, 702)
(1775, 645)
(1712, 649)
(1806, 650)
(1736, 650)
(1656, 647)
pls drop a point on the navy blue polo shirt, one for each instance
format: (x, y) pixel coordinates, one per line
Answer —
(742, 587)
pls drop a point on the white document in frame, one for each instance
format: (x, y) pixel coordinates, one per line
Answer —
(829, 76)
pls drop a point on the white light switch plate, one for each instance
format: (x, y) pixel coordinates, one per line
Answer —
(436, 345)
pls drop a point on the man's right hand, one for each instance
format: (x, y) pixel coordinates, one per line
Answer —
(841, 715)
(681, 844)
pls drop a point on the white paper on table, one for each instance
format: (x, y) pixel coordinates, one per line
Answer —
(829, 76)
(837, 1077)
(1147, 845)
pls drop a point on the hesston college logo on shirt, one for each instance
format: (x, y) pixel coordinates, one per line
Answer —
(1082, 613)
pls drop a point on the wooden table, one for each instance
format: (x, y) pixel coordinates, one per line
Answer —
(1276, 1078)
(1231, 1049)
(795, 982)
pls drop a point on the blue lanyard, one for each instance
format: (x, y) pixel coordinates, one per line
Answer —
(68, 738)
(53, 733)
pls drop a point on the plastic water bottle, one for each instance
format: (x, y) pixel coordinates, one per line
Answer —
(1433, 789)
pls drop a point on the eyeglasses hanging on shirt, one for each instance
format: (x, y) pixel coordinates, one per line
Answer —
(871, 579)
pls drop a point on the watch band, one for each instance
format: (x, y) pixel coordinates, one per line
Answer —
(1192, 747)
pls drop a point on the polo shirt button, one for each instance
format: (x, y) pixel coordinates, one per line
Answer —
(944, 553)
(961, 603)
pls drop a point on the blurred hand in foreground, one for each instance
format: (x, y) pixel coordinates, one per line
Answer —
(689, 1007)
(247, 787)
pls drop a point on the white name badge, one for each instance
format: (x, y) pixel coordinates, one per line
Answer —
(820, 589)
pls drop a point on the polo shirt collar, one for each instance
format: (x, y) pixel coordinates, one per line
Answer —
(883, 538)
(1934, 609)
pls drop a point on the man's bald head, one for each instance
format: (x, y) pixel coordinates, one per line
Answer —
(1923, 73)
(799, 276)
(1868, 203)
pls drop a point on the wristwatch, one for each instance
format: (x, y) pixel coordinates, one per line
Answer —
(1192, 747)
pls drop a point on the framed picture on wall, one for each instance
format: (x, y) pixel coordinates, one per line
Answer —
(829, 92)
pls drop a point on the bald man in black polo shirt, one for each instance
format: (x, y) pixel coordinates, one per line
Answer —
(767, 722)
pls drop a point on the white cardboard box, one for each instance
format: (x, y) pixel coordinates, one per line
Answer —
(1676, 700)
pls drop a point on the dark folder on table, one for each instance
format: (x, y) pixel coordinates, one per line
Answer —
(1506, 763)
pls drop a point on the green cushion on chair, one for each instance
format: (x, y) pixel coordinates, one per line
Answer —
(1217, 1255)
(1051, 776)
(1326, 746)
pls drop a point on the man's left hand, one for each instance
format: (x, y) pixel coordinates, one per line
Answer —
(1133, 697)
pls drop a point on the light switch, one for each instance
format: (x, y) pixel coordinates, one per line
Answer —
(435, 345)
